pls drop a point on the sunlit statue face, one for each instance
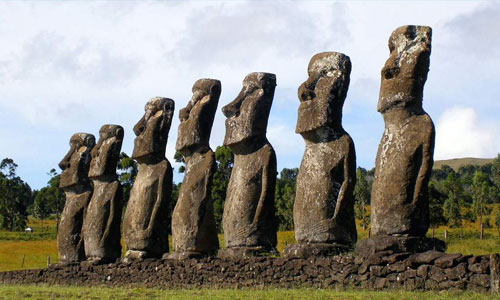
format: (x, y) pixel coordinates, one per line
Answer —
(75, 164)
(323, 94)
(106, 153)
(248, 114)
(152, 130)
(198, 116)
(405, 72)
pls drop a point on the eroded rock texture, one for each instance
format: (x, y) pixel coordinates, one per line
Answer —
(248, 218)
(101, 226)
(323, 212)
(76, 186)
(145, 227)
(399, 203)
(194, 232)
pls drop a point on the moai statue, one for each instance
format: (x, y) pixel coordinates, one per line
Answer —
(323, 212)
(101, 226)
(248, 219)
(194, 233)
(76, 186)
(399, 202)
(145, 226)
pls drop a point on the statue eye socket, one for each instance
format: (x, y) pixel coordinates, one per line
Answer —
(390, 73)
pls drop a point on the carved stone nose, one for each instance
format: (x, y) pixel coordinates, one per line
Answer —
(64, 164)
(230, 110)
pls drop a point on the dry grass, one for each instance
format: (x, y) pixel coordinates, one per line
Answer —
(456, 163)
(36, 248)
(35, 254)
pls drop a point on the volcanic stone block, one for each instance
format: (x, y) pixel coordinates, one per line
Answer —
(76, 186)
(323, 211)
(399, 202)
(101, 226)
(194, 232)
(145, 226)
(248, 219)
(398, 244)
(495, 272)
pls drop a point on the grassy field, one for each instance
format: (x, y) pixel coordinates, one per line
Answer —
(40, 233)
(36, 247)
(57, 292)
(456, 163)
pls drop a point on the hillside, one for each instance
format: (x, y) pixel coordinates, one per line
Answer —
(456, 163)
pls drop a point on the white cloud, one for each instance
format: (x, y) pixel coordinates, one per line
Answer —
(460, 133)
(72, 66)
(475, 32)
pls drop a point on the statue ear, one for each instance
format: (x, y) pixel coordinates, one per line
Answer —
(119, 133)
(89, 141)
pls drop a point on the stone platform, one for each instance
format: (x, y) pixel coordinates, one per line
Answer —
(431, 270)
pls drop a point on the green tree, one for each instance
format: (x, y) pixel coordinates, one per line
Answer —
(127, 171)
(56, 199)
(436, 202)
(497, 222)
(224, 159)
(285, 197)
(41, 206)
(441, 173)
(480, 194)
(495, 174)
(180, 159)
(15, 197)
(453, 203)
(362, 198)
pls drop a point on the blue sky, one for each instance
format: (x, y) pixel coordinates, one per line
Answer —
(69, 67)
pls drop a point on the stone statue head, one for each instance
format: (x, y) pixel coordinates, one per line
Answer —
(198, 116)
(152, 130)
(106, 153)
(247, 115)
(323, 94)
(75, 164)
(405, 72)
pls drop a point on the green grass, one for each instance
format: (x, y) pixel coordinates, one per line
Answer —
(37, 246)
(42, 231)
(58, 292)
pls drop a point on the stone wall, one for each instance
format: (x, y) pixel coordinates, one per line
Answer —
(430, 270)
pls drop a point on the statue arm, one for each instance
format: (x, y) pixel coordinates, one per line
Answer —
(349, 180)
(165, 180)
(423, 172)
(268, 170)
(262, 197)
(111, 216)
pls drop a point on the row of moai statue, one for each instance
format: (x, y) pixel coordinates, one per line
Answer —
(323, 210)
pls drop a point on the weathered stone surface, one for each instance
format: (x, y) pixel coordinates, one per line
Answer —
(398, 244)
(315, 249)
(248, 218)
(323, 210)
(495, 272)
(76, 186)
(145, 228)
(336, 272)
(101, 226)
(194, 232)
(427, 257)
(447, 260)
(399, 202)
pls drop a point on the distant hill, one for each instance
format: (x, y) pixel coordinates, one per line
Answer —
(456, 163)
